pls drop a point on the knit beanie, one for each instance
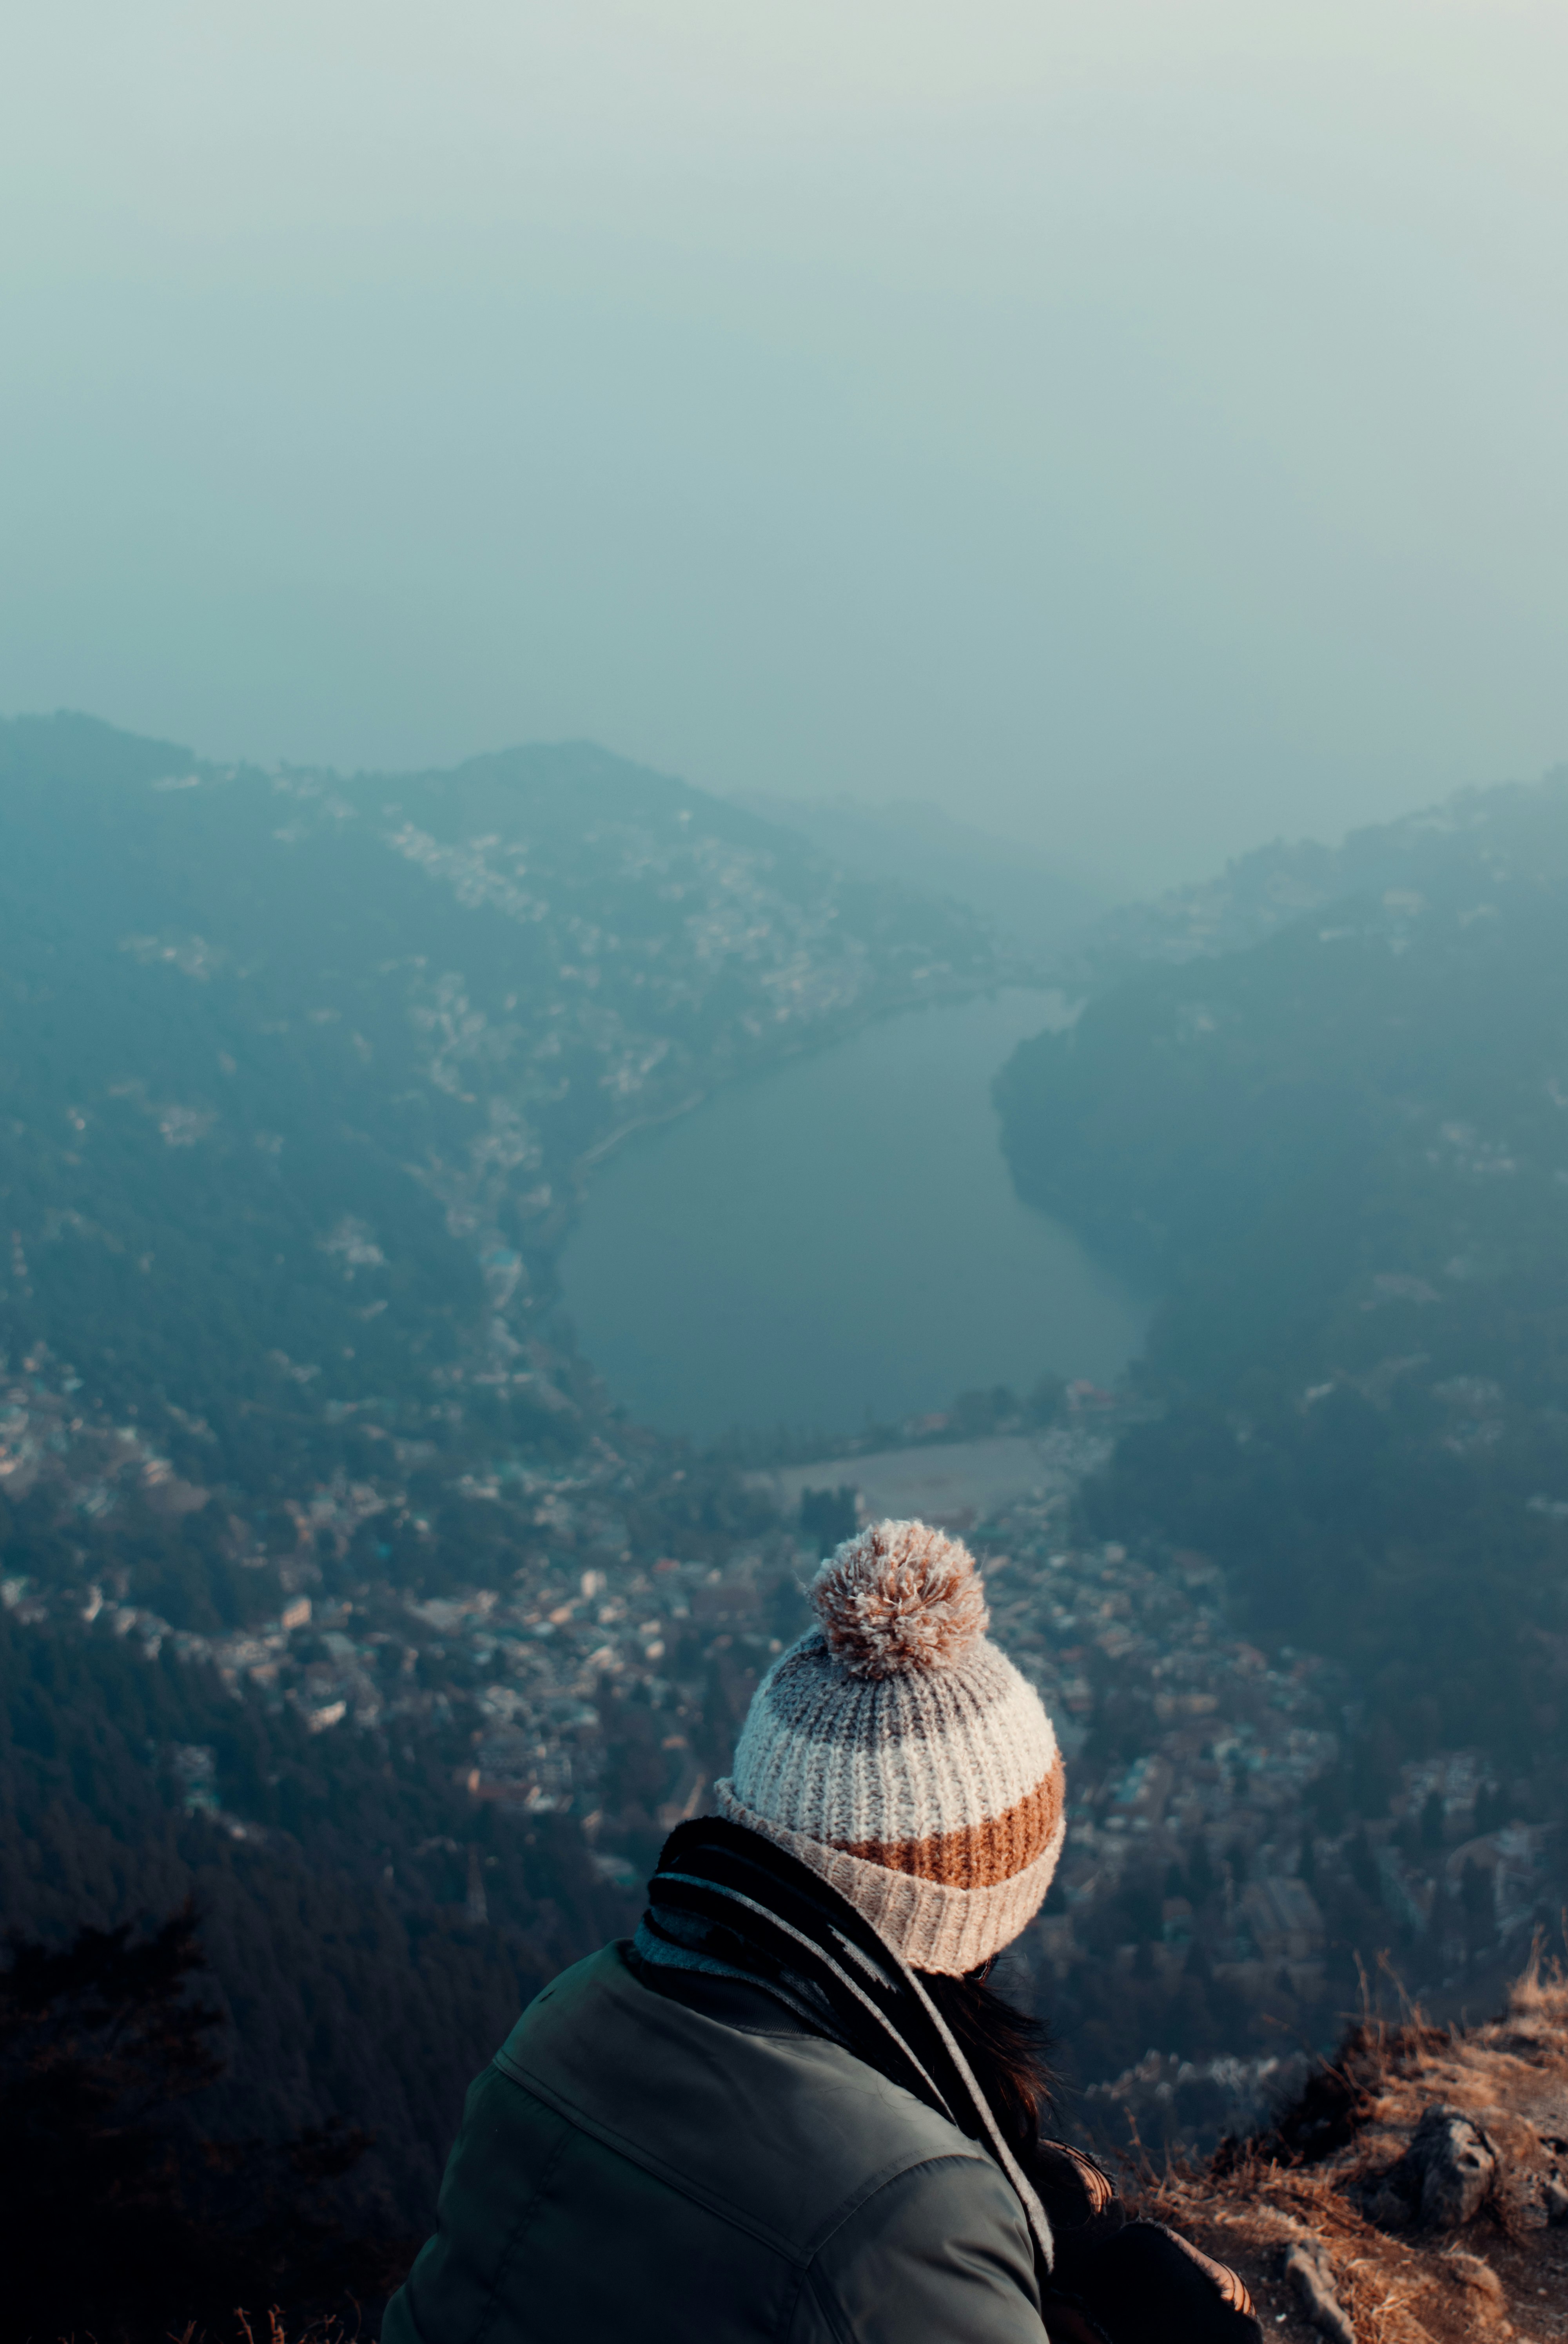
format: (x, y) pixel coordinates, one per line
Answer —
(897, 1752)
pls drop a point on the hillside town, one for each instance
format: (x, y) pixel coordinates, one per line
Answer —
(1218, 1877)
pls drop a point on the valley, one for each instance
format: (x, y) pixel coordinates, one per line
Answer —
(354, 1592)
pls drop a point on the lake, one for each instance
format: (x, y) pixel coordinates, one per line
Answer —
(837, 1237)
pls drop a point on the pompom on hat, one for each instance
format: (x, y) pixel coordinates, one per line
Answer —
(897, 1752)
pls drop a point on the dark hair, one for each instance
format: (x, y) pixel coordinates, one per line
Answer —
(1005, 2046)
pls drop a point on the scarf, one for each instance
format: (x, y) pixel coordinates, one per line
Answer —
(725, 1901)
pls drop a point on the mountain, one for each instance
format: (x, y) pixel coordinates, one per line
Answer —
(1339, 1152)
(1035, 907)
(324, 1058)
(1443, 854)
(338, 1602)
(333, 1593)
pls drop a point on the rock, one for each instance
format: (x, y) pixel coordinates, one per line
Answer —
(1387, 2208)
(1555, 2198)
(1454, 2165)
(1306, 2265)
(1446, 2173)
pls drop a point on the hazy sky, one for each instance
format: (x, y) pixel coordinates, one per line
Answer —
(1136, 425)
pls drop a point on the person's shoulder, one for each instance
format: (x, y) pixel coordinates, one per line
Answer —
(593, 1975)
(788, 2132)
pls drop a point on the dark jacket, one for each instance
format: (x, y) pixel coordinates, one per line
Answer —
(634, 2165)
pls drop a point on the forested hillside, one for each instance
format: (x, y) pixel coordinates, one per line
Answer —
(299, 1072)
(1342, 1154)
(1438, 854)
(335, 1595)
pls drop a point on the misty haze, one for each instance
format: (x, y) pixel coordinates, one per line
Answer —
(783, 1146)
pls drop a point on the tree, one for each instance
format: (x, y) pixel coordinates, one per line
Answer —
(124, 2218)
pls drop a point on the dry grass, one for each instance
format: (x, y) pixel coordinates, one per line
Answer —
(1504, 2274)
(271, 2327)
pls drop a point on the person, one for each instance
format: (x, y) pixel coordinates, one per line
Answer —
(793, 2106)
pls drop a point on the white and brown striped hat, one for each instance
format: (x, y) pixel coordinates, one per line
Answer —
(900, 1754)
